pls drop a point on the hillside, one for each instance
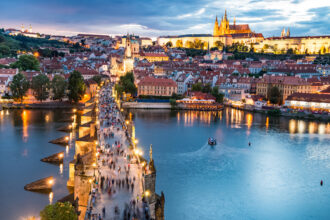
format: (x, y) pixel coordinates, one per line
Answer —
(9, 45)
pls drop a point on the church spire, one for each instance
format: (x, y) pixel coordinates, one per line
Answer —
(288, 33)
(283, 33)
(216, 27)
(234, 21)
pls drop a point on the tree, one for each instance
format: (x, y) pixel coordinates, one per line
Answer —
(179, 43)
(275, 95)
(219, 44)
(59, 86)
(207, 88)
(197, 87)
(218, 96)
(126, 84)
(59, 211)
(19, 86)
(27, 62)
(76, 86)
(97, 79)
(4, 50)
(40, 86)
(169, 44)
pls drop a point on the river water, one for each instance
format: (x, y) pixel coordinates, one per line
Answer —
(277, 177)
(24, 136)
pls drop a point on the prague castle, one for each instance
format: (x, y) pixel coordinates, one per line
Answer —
(226, 28)
(228, 34)
(224, 32)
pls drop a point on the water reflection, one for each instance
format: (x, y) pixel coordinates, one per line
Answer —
(25, 116)
(50, 196)
(235, 118)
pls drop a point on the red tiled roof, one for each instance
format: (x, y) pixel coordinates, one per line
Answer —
(150, 81)
(309, 97)
(8, 71)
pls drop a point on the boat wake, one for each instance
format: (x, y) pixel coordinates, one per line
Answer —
(214, 151)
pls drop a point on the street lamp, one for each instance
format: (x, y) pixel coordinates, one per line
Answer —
(94, 167)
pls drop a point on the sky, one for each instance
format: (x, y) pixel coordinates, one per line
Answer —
(165, 17)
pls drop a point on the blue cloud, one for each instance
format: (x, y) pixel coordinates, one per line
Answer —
(156, 17)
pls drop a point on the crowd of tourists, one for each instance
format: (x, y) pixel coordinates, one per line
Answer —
(116, 191)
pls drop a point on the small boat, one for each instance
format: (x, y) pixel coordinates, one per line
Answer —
(212, 141)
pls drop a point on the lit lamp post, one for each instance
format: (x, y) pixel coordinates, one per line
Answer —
(94, 167)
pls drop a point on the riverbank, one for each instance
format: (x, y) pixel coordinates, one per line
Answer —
(45, 105)
(280, 112)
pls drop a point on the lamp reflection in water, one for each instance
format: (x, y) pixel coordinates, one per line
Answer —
(321, 128)
(50, 196)
(25, 116)
(301, 127)
(292, 126)
(67, 149)
(267, 123)
(61, 168)
(312, 127)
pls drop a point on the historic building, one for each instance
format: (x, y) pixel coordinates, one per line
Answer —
(226, 28)
(287, 85)
(157, 87)
(224, 32)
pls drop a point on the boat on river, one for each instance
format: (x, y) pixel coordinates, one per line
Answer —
(212, 141)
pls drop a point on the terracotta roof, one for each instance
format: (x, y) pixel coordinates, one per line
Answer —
(309, 97)
(150, 81)
(8, 71)
(239, 27)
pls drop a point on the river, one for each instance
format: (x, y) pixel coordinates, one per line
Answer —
(277, 177)
(24, 136)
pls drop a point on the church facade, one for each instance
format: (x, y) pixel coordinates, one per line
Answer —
(226, 28)
(228, 34)
(224, 32)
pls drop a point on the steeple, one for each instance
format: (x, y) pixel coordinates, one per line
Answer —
(225, 14)
(216, 27)
(283, 33)
(150, 153)
(22, 28)
(234, 21)
(30, 29)
(288, 33)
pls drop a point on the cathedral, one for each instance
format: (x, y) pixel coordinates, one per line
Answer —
(226, 28)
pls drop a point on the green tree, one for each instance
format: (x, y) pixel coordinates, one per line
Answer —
(59, 86)
(218, 96)
(197, 87)
(207, 88)
(27, 62)
(76, 86)
(275, 95)
(179, 43)
(126, 84)
(59, 211)
(40, 86)
(169, 44)
(4, 50)
(97, 79)
(173, 103)
(219, 45)
(19, 87)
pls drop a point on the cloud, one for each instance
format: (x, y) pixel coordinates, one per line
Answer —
(159, 17)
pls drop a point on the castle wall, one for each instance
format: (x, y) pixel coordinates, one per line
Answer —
(298, 44)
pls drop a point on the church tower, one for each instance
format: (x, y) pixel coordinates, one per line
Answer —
(283, 33)
(128, 51)
(216, 27)
(30, 29)
(288, 33)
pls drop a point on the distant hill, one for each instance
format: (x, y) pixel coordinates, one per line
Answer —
(9, 45)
